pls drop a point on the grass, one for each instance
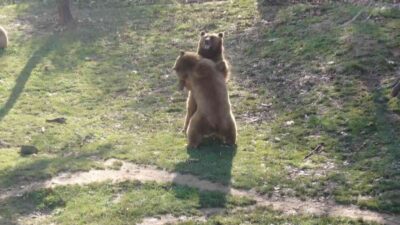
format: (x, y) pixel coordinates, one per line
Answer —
(104, 203)
(301, 80)
(268, 216)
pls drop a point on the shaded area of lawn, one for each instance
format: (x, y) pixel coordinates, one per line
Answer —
(331, 81)
(106, 203)
(26, 72)
(210, 161)
(268, 216)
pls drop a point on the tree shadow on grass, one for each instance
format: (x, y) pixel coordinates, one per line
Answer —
(367, 151)
(40, 202)
(373, 152)
(26, 72)
(211, 161)
(372, 147)
(41, 169)
(31, 177)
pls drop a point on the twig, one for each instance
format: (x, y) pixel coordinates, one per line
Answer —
(362, 146)
(368, 17)
(316, 150)
(394, 83)
(396, 89)
(356, 16)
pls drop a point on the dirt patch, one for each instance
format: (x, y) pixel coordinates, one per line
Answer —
(205, 213)
(36, 218)
(130, 171)
(170, 219)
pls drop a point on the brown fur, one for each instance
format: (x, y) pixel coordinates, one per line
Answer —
(210, 46)
(208, 88)
(3, 38)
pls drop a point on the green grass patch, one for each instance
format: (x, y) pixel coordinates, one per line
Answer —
(105, 203)
(268, 216)
(298, 81)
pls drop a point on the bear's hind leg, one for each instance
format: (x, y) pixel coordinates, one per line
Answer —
(198, 127)
(191, 109)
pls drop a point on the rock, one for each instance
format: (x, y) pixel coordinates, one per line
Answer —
(28, 150)
(289, 123)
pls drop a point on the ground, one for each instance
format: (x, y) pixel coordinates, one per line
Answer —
(303, 76)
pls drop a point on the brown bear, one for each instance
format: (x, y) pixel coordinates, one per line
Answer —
(3, 38)
(210, 46)
(207, 85)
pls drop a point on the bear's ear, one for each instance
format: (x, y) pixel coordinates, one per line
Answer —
(202, 33)
(182, 53)
(221, 35)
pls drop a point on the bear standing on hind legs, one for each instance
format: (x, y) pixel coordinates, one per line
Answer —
(3, 38)
(210, 46)
(208, 88)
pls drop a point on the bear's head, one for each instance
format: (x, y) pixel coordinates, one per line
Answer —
(211, 46)
(184, 66)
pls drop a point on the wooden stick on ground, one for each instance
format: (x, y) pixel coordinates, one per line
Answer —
(356, 16)
(396, 89)
(316, 150)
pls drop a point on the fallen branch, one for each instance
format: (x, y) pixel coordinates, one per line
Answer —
(396, 89)
(394, 83)
(356, 16)
(57, 120)
(362, 146)
(316, 150)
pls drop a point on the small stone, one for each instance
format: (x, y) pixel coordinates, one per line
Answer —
(288, 123)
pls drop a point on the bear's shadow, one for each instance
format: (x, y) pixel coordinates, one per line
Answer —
(212, 161)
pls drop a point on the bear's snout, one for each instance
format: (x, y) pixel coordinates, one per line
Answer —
(207, 42)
